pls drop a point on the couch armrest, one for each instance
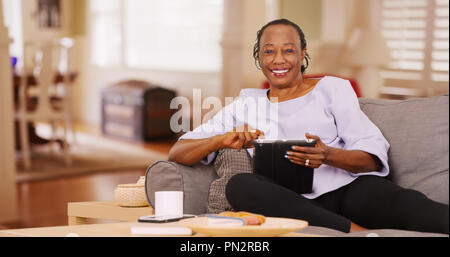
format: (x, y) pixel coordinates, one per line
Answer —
(193, 181)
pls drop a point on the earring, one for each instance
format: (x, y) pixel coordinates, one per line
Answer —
(258, 65)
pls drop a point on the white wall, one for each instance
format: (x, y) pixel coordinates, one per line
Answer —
(339, 17)
(254, 19)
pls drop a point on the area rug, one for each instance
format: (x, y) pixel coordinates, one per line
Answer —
(91, 154)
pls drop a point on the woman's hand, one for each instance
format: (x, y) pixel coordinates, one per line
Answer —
(190, 151)
(312, 157)
(355, 161)
(240, 137)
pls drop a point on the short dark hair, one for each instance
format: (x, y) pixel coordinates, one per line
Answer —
(303, 44)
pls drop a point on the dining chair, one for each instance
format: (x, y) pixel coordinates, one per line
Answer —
(44, 110)
(64, 59)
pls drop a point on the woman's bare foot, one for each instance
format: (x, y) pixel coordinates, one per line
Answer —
(355, 227)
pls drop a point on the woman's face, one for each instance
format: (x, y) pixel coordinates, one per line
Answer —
(281, 56)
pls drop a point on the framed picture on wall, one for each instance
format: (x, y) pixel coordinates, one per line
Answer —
(49, 13)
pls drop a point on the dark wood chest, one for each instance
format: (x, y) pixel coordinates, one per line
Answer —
(137, 110)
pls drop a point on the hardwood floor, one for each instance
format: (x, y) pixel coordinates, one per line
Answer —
(44, 203)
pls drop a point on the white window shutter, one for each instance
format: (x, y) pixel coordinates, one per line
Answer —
(416, 32)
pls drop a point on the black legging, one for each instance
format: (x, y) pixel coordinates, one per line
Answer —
(370, 201)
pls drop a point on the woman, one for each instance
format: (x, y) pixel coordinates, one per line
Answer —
(350, 192)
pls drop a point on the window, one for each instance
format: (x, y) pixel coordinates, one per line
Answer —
(106, 33)
(13, 20)
(163, 35)
(416, 32)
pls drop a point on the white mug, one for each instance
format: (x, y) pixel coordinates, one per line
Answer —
(169, 203)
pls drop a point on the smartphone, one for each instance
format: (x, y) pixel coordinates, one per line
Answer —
(165, 218)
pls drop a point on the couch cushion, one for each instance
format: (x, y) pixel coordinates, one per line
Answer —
(418, 132)
(193, 181)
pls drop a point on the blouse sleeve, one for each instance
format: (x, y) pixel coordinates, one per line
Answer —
(356, 130)
(222, 122)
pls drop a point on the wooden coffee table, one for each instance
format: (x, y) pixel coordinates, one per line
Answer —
(79, 212)
(121, 229)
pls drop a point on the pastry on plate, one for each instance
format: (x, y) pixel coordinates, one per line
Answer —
(250, 218)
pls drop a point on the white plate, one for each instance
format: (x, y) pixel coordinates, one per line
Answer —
(272, 227)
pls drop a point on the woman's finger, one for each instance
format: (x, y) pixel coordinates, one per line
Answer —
(241, 140)
(301, 155)
(230, 139)
(303, 163)
(248, 139)
(312, 158)
(307, 163)
(237, 144)
(259, 133)
(254, 135)
(306, 149)
(317, 138)
(301, 160)
(309, 136)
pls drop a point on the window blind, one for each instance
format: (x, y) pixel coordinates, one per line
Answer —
(416, 32)
(440, 52)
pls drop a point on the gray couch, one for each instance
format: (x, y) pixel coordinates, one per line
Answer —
(417, 130)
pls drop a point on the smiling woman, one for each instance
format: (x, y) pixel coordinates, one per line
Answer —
(298, 47)
(349, 159)
(280, 54)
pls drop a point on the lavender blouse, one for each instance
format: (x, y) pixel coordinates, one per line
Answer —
(331, 111)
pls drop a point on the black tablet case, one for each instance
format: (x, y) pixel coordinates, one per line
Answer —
(269, 161)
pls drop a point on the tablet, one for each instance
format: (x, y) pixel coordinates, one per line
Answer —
(269, 161)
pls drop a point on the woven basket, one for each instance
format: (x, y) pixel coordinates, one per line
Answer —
(141, 181)
(130, 195)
